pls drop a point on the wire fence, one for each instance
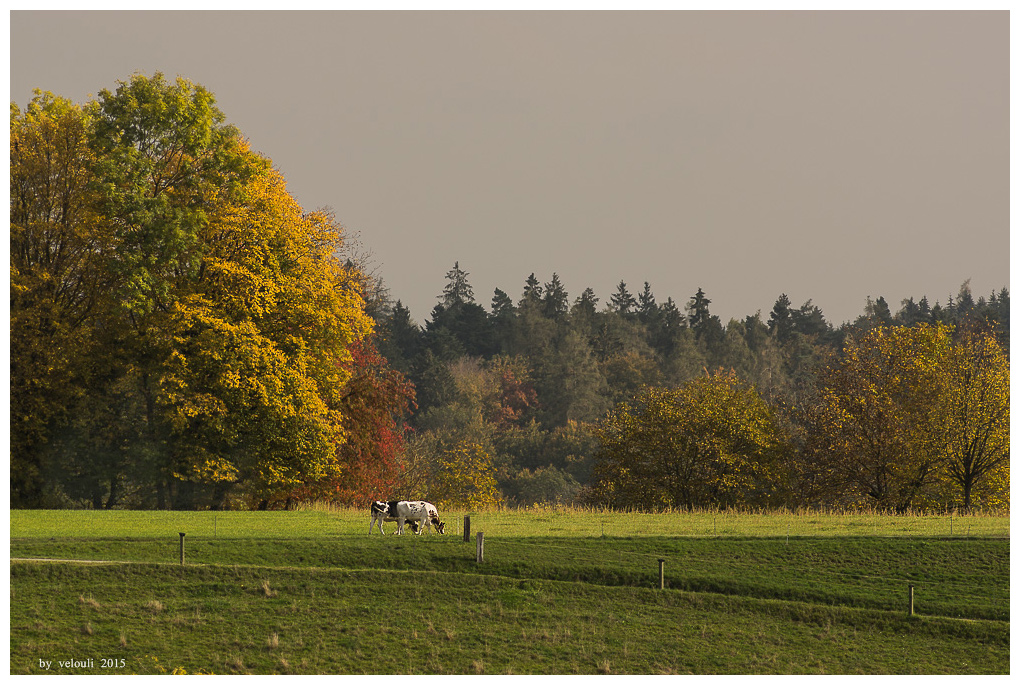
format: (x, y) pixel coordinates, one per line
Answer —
(568, 535)
(937, 591)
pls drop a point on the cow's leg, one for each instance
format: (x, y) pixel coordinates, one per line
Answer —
(400, 525)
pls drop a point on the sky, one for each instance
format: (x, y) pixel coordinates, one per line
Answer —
(830, 156)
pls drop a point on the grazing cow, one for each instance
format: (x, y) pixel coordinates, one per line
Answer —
(420, 515)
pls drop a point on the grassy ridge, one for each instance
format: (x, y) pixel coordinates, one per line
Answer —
(311, 592)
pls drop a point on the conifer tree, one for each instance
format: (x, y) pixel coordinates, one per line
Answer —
(697, 311)
(622, 302)
(556, 299)
(585, 305)
(648, 310)
(781, 321)
(457, 290)
(532, 296)
(502, 305)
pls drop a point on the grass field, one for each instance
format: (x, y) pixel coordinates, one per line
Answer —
(559, 591)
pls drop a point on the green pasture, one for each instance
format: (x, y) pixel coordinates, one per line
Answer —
(560, 522)
(558, 591)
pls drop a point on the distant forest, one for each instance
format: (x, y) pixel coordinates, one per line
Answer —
(529, 377)
(184, 335)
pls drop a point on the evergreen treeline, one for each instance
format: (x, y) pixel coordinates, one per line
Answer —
(528, 379)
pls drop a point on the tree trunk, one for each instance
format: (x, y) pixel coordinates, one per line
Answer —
(114, 492)
(220, 492)
(968, 486)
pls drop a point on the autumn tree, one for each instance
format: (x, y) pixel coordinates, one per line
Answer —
(376, 403)
(241, 312)
(459, 474)
(875, 422)
(711, 442)
(222, 314)
(465, 477)
(973, 415)
(57, 280)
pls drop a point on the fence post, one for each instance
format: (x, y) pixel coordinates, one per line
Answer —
(467, 529)
(182, 549)
(481, 546)
(662, 574)
(911, 599)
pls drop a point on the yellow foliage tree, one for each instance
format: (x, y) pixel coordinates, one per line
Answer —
(911, 417)
(57, 280)
(873, 417)
(255, 349)
(710, 442)
(973, 414)
(172, 305)
(464, 477)
(460, 475)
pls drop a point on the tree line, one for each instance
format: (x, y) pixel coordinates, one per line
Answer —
(185, 335)
(647, 404)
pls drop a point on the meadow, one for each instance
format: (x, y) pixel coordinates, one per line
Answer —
(558, 591)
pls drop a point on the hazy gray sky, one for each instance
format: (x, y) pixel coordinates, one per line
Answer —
(831, 156)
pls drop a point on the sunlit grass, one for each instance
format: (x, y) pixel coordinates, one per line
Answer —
(772, 524)
(323, 520)
(561, 590)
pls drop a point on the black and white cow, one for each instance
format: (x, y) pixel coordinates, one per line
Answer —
(420, 515)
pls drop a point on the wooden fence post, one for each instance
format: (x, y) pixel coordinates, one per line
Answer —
(182, 549)
(662, 574)
(481, 546)
(467, 529)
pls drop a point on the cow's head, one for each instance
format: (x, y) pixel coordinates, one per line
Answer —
(437, 524)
